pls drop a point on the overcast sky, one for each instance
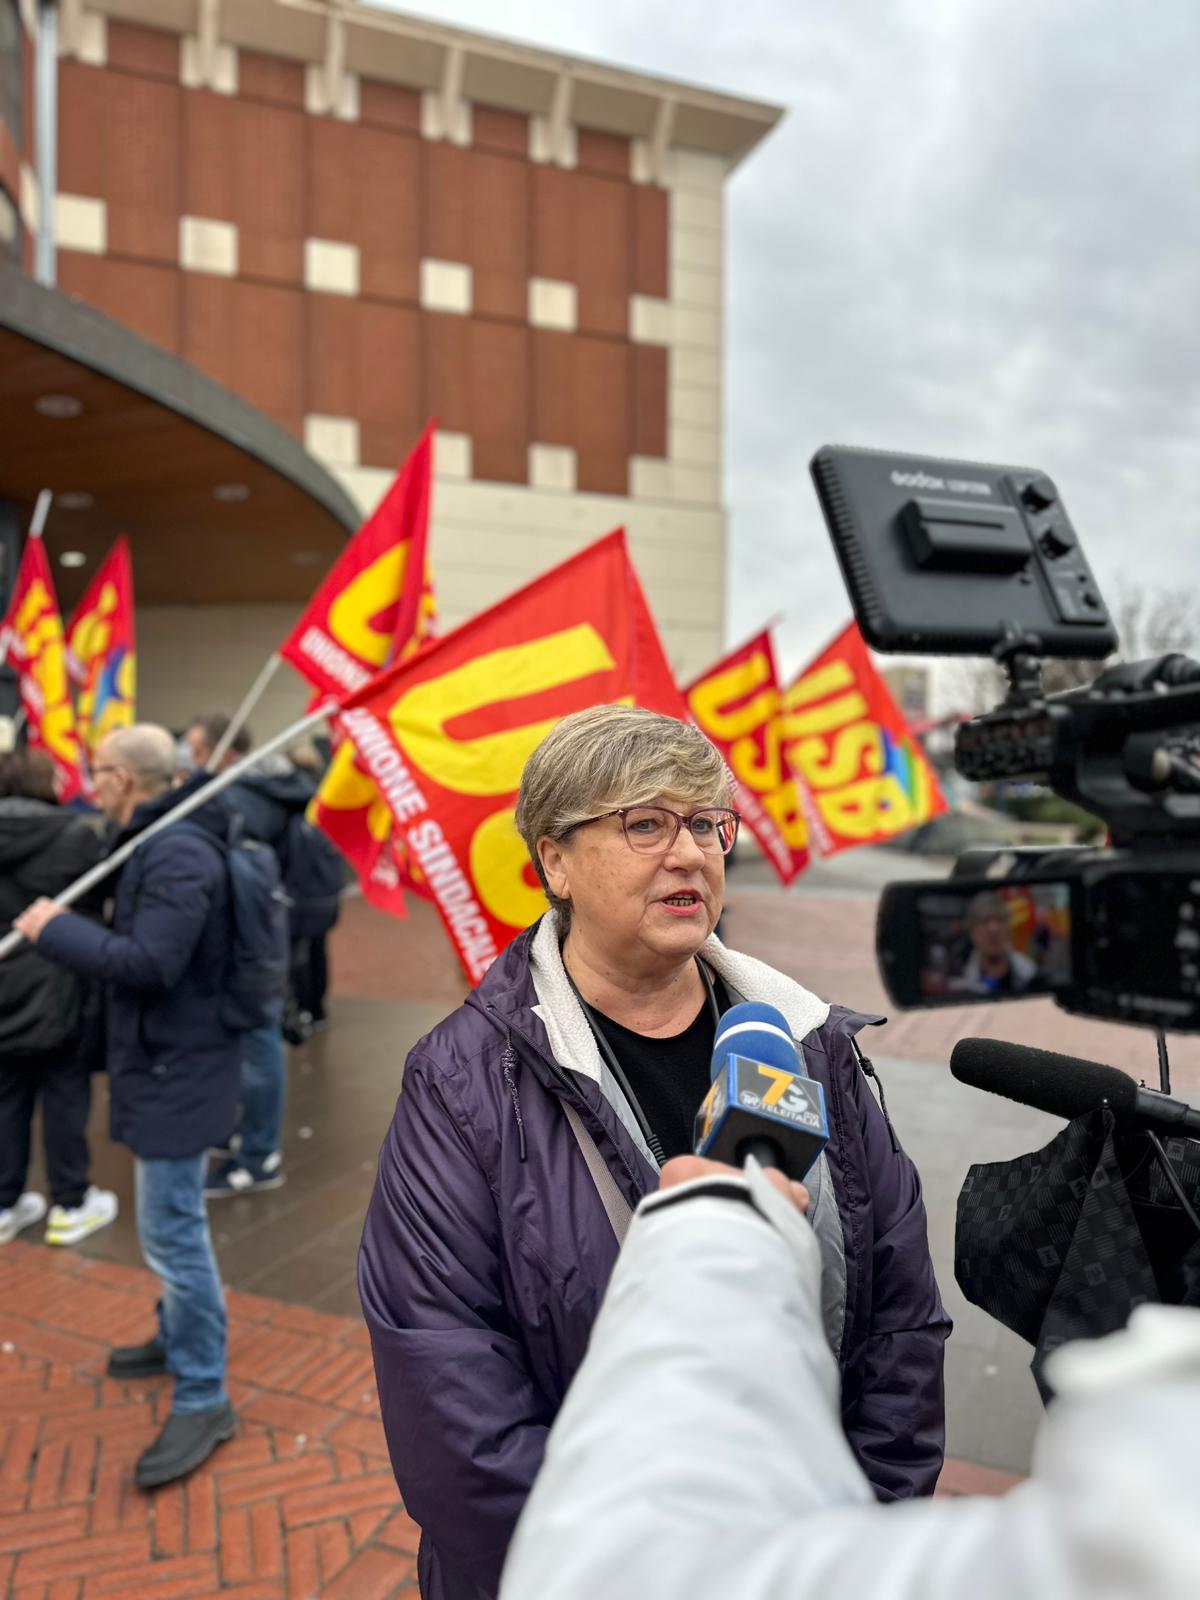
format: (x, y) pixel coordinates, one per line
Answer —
(976, 233)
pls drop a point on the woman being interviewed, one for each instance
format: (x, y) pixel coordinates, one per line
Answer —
(538, 1113)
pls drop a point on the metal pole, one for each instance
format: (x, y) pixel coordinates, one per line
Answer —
(254, 695)
(193, 802)
(41, 512)
(45, 264)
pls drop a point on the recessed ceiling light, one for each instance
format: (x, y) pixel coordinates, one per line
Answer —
(75, 500)
(231, 491)
(58, 406)
(306, 558)
(72, 558)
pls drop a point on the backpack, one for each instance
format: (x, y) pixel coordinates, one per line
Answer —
(313, 877)
(256, 970)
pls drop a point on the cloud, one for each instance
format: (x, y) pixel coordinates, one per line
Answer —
(976, 233)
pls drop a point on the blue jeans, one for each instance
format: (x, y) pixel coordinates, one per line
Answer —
(264, 1075)
(173, 1230)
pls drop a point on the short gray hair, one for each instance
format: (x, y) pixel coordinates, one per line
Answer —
(609, 756)
(146, 751)
(987, 903)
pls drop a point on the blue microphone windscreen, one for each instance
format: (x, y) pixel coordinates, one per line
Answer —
(760, 1033)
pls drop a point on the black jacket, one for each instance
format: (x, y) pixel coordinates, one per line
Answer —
(267, 802)
(272, 808)
(43, 848)
(174, 1067)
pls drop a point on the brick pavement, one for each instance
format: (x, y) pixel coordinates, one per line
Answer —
(300, 1504)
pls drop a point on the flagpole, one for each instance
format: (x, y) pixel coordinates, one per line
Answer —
(41, 511)
(222, 780)
(255, 693)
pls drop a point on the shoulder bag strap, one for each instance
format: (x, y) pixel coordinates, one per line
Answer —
(616, 1207)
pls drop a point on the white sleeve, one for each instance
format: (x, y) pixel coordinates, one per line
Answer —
(699, 1454)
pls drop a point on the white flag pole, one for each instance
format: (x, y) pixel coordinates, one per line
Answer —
(41, 511)
(255, 693)
(98, 873)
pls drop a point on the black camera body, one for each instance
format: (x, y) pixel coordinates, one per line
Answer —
(944, 557)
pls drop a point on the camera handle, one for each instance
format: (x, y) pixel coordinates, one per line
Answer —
(1164, 1066)
(1018, 653)
(1156, 1144)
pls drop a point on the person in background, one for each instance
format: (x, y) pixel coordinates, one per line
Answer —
(993, 966)
(43, 848)
(315, 878)
(265, 801)
(173, 1066)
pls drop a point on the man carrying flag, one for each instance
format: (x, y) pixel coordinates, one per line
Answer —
(31, 637)
(101, 655)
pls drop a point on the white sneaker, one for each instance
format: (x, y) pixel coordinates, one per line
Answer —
(69, 1226)
(30, 1208)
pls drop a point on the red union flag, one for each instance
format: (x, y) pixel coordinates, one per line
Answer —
(367, 601)
(736, 703)
(32, 634)
(850, 747)
(446, 735)
(101, 656)
(375, 606)
(353, 815)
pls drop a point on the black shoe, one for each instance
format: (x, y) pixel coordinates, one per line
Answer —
(147, 1360)
(188, 1438)
(296, 1030)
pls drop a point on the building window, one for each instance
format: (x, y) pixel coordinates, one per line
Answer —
(10, 68)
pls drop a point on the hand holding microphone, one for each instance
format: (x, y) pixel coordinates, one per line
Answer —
(761, 1103)
(686, 1169)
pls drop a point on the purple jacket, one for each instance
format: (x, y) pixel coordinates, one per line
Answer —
(487, 1250)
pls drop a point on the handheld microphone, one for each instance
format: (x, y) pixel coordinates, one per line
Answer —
(761, 1103)
(1066, 1087)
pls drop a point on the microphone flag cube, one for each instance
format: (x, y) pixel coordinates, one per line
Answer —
(752, 1100)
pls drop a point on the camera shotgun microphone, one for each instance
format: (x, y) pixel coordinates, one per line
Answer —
(1066, 1087)
(762, 1102)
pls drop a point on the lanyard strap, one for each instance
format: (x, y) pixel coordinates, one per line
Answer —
(606, 1050)
(616, 1208)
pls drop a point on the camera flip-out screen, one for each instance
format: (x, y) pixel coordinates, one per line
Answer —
(956, 942)
(954, 558)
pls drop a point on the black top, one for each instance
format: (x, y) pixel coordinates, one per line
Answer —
(669, 1077)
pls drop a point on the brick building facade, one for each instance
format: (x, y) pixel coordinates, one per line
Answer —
(355, 221)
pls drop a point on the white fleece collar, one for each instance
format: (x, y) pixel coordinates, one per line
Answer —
(572, 1043)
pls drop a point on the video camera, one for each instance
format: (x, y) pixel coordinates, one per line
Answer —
(957, 558)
